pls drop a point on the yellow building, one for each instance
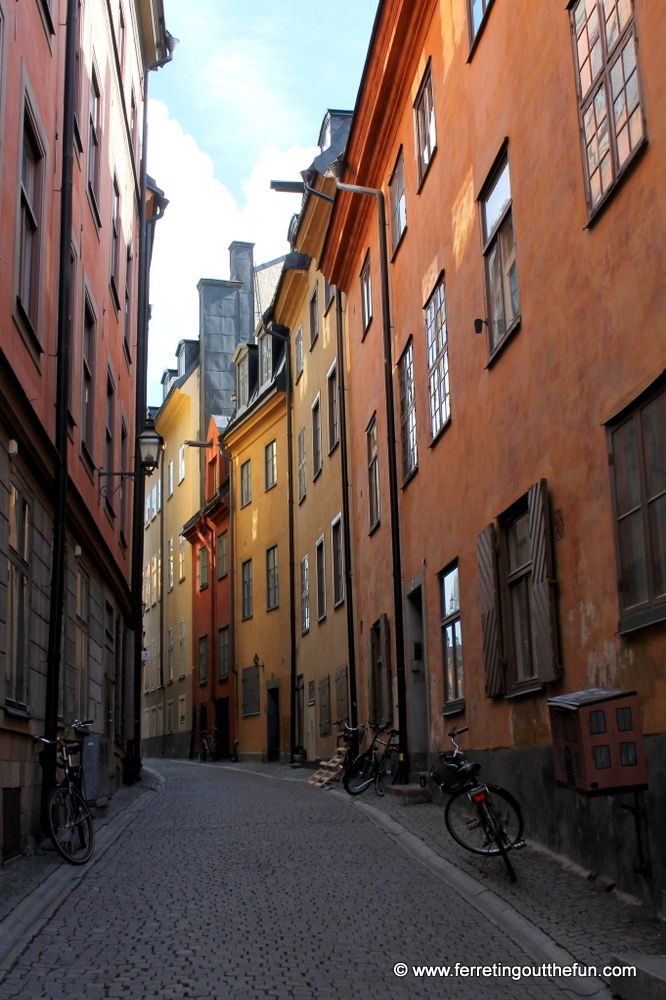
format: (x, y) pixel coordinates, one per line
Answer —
(256, 439)
(172, 497)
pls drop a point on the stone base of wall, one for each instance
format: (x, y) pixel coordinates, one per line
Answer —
(174, 745)
(597, 833)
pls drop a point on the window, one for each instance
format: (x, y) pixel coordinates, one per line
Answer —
(170, 657)
(203, 659)
(637, 447)
(88, 378)
(438, 359)
(329, 294)
(18, 640)
(81, 644)
(311, 693)
(169, 717)
(170, 479)
(324, 706)
(170, 564)
(181, 558)
(181, 464)
(115, 242)
(424, 111)
(251, 696)
(243, 374)
(477, 13)
(222, 555)
(609, 92)
(153, 581)
(246, 484)
(109, 426)
(246, 580)
(94, 142)
(181, 648)
(373, 473)
(398, 203)
(500, 255)
(316, 438)
(517, 583)
(203, 567)
(182, 714)
(314, 317)
(153, 503)
(378, 653)
(338, 562)
(366, 293)
(298, 347)
(271, 464)
(223, 653)
(301, 464)
(320, 559)
(272, 585)
(451, 638)
(31, 207)
(305, 595)
(124, 486)
(265, 359)
(333, 407)
(408, 411)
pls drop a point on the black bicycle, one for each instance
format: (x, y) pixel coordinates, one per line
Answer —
(482, 818)
(373, 765)
(69, 819)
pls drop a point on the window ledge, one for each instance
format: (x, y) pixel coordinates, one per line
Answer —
(92, 201)
(530, 687)
(515, 326)
(301, 499)
(338, 604)
(641, 619)
(373, 527)
(394, 252)
(426, 171)
(595, 213)
(17, 713)
(410, 475)
(273, 607)
(333, 447)
(205, 681)
(366, 328)
(440, 433)
(321, 618)
(454, 707)
(317, 473)
(480, 30)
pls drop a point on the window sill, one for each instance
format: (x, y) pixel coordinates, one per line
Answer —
(394, 252)
(301, 499)
(28, 333)
(203, 682)
(271, 487)
(338, 604)
(374, 527)
(304, 631)
(17, 713)
(170, 681)
(425, 173)
(87, 461)
(313, 341)
(204, 586)
(299, 376)
(410, 475)
(92, 201)
(321, 618)
(333, 447)
(47, 19)
(479, 32)
(366, 328)
(641, 619)
(593, 214)
(317, 474)
(454, 707)
(273, 607)
(529, 687)
(515, 326)
(245, 618)
(440, 433)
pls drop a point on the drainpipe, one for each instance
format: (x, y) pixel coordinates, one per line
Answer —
(133, 759)
(346, 522)
(59, 558)
(392, 463)
(232, 601)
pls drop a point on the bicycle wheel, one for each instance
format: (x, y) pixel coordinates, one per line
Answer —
(70, 826)
(387, 772)
(471, 828)
(212, 750)
(361, 774)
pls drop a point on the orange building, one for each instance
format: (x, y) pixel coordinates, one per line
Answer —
(517, 149)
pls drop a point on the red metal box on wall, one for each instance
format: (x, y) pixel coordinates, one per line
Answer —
(598, 741)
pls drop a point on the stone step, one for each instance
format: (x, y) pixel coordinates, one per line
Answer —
(649, 983)
(408, 795)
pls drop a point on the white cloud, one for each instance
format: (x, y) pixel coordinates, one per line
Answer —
(202, 219)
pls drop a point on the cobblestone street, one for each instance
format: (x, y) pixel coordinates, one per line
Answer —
(232, 885)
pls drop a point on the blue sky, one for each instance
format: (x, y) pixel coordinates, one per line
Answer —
(241, 104)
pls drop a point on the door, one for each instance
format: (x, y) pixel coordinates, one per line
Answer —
(222, 726)
(417, 687)
(273, 723)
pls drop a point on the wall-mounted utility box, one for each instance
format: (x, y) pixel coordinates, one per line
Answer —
(598, 741)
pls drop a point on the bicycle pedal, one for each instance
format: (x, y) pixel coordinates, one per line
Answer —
(519, 844)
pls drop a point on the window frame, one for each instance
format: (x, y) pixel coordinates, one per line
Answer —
(302, 467)
(423, 140)
(223, 653)
(181, 464)
(337, 561)
(116, 243)
(203, 559)
(30, 216)
(317, 456)
(586, 100)
(246, 483)
(298, 351)
(448, 620)
(407, 393)
(333, 407)
(374, 496)
(475, 34)
(365, 276)
(490, 240)
(203, 658)
(398, 200)
(320, 574)
(439, 403)
(265, 359)
(272, 579)
(270, 464)
(89, 345)
(95, 133)
(313, 314)
(246, 590)
(305, 594)
(222, 553)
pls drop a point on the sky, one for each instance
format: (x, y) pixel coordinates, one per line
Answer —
(241, 104)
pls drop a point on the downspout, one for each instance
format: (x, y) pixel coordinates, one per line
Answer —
(59, 558)
(133, 760)
(392, 469)
(163, 591)
(346, 516)
(232, 599)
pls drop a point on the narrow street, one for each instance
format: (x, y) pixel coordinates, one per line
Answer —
(232, 885)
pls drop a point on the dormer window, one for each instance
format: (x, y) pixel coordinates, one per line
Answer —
(243, 381)
(265, 359)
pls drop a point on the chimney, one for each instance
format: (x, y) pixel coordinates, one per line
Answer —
(241, 267)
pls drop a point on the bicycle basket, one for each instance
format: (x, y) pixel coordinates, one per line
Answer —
(445, 774)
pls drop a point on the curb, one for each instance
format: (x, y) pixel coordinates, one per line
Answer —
(152, 779)
(32, 914)
(535, 943)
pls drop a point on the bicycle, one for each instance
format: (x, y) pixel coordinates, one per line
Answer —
(483, 818)
(209, 747)
(70, 823)
(373, 767)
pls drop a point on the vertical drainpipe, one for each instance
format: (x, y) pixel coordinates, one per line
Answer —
(392, 469)
(346, 515)
(58, 564)
(232, 600)
(163, 591)
(133, 759)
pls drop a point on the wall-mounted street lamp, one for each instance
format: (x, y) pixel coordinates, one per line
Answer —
(149, 445)
(255, 660)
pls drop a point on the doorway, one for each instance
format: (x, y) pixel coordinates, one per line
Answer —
(417, 686)
(273, 721)
(222, 726)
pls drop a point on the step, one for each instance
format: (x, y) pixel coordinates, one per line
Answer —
(649, 983)
(409, 795)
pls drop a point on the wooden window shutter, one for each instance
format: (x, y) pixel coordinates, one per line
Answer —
(544, 615)
(324, 706)
(386, 686)
(486, 549)
(341, 695)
